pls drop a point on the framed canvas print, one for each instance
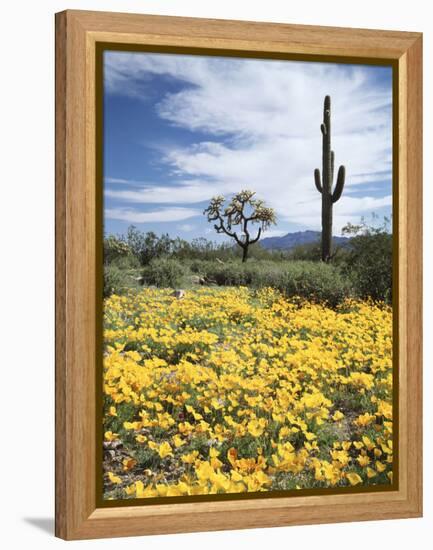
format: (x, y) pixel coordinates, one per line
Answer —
(238, 274)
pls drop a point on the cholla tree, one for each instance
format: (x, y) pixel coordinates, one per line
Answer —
(242, 212)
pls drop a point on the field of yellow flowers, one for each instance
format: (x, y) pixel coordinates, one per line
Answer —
(234, 390)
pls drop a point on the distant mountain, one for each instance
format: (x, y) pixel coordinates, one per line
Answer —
(292, 240)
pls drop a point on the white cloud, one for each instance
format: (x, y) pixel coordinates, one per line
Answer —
(172, 214)
(175, 194)
(263, 121)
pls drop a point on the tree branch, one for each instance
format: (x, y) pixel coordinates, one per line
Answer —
(258, 236)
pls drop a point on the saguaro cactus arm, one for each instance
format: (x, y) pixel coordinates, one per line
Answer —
(317, 180)
(332, 165)
(340, 184)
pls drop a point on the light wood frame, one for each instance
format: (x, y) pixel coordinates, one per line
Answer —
(77, 33)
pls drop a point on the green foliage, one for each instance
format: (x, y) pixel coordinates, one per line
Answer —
(138, 249)
(147, 246)
(309, 252)
(362, 267)
(115, 249)
(229, 274)
(315, 281)
(164, 273)
(257, 252)
(368, 262)
(116, 280)
(128, 262)
(202, 249)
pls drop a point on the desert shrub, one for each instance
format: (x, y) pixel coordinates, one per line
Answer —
(115, 249)
(257, 252)
(314, 281)
(369, 266)
(201, 267)
(202, 249)
(368, 262)
(163, 273)
(147, 246)
(230, 274)
(309, 252)
(116, 280)
(128, 262)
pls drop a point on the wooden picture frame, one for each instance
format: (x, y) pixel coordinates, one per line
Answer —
(78, 261)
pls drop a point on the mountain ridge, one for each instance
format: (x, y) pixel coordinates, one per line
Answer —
(298, 238)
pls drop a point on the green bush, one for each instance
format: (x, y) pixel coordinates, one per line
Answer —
(368, 264)
(230, 274)
(200, 266)
(116, 280)
(309, 252)
(129, 262)
(147, 246)
(164, 273)
(315, 281)
(115, 249)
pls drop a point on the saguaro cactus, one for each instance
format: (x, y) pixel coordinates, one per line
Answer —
(324, 187)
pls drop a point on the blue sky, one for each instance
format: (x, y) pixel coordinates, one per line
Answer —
(181, 129)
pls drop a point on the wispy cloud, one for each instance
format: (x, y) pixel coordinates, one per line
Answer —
(262, 119)
(130, 215)
(177, 194)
